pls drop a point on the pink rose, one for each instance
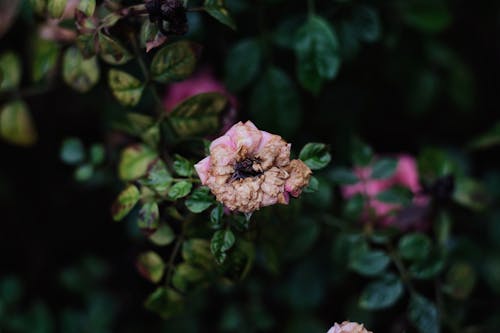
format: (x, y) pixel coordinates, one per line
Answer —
(348, 327)
(202, 82)
(406, 174)
(248, 169)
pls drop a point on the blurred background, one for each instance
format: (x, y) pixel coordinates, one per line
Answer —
(411, 75)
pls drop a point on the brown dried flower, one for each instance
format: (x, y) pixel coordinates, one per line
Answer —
(248, 169)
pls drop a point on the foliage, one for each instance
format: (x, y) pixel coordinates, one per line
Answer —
(397, 242)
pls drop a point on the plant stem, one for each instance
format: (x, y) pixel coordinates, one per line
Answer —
(173, 255)
(405, 276)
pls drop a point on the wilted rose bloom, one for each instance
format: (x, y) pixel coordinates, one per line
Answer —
(348, 327)
(406, 174)
(248, 169)
(202, 82)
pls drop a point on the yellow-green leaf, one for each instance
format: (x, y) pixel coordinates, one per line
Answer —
(112, 51)
(135, 161)
(79, 73)
(45, 58)
(199, 114)
(16, 124)
(125, 201)
(10, 66)
(151, 266)
(126, 88)
(87, 7)
(56, 7)
(174, 62)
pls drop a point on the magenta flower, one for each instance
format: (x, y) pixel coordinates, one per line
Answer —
(348, 327)
(406, 174)
(248, 169)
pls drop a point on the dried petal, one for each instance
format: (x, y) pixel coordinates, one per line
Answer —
(248, 169)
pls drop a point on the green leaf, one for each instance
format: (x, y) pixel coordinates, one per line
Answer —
(135, 161)
(79, 73)
(56, 8)
(221, 242)
(216, 216)
(173, 62)
(362, 154)
(182, 166)
(197, 252)
(87, 7)
(179, 190)
(460, 280)
(10, 68)
(368, 262)
(16, 124)
(83, 172)
(384, 168)
(313, 185)
(165, 302)
(112, 51)
(149, 216)
(125, 201)
(217, 10)
(158, 177)
(315, 155)
(150, 36)
(163, 236)
(243, 63)
(317, 50)
(44, 58)
(427, 268)
(87, 44)
(72, 151)
(487, 140)
(151, 266)
(382, 293)
(274, 102)
(343, 176)
(354, 206)
(415, 246)
(97, 154)
(125, 87)
(110, 20)
(423, 314)
(39, 6)
(471, 194)
(187, 276)
(396, 195)
(198, 115)
(199, 200)
(366, 23)
(430, 16)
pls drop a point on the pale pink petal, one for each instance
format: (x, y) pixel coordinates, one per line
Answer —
(202, 168)
(245, 136)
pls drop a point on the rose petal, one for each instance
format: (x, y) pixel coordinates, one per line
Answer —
(202, 168)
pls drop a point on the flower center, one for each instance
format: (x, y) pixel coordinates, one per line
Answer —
(244, 169)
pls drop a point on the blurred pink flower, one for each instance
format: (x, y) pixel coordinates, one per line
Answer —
(406, 174)
(202, 82)
(348, 327)
(248, 169)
